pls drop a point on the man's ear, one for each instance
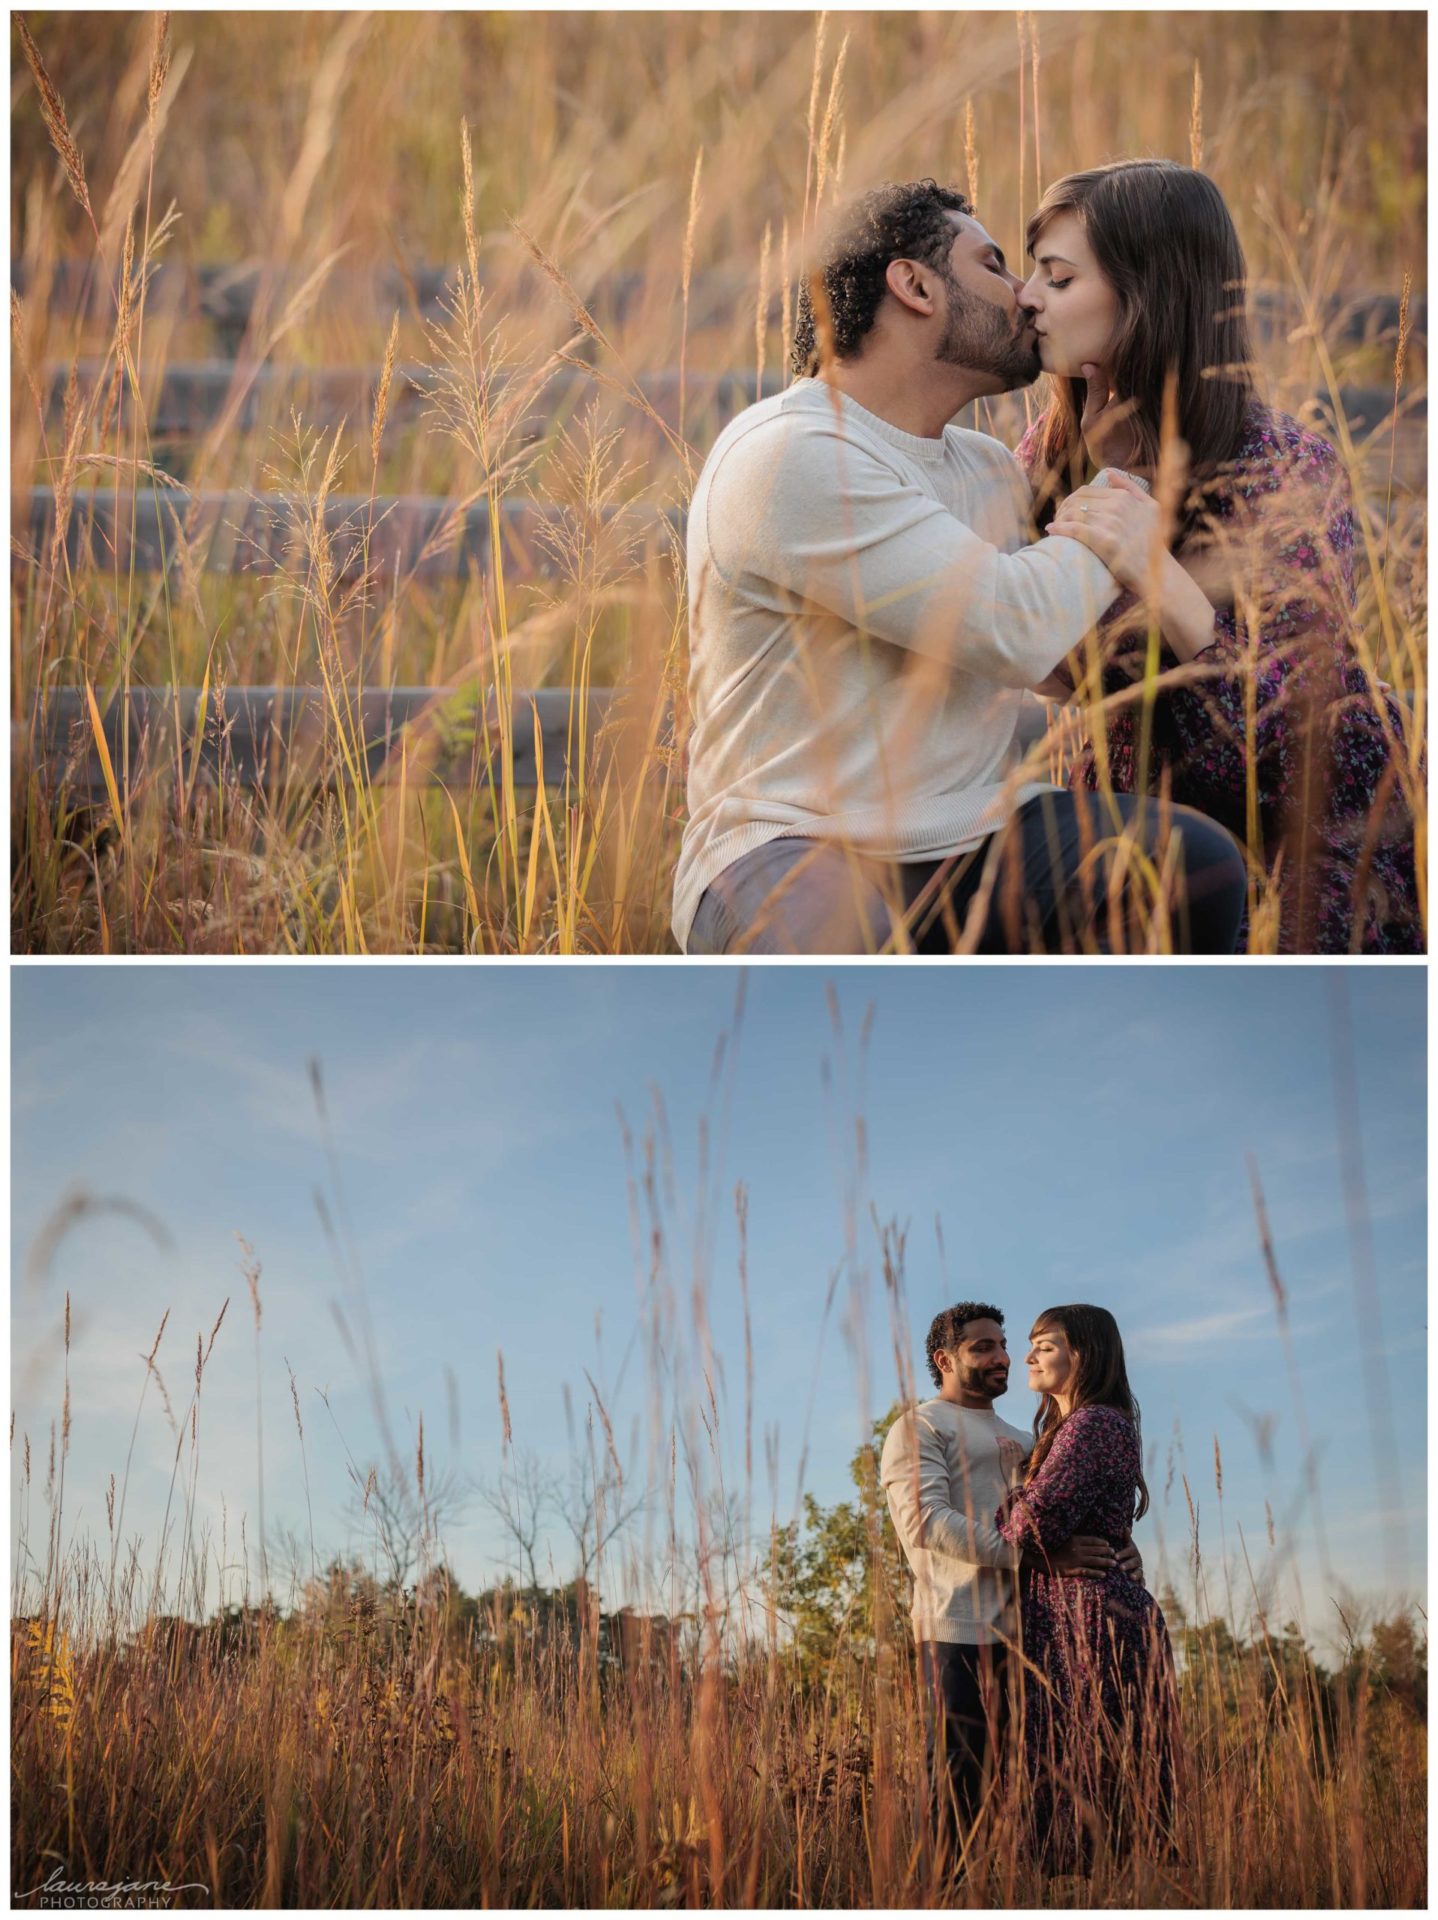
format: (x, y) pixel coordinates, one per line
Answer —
(911, 284)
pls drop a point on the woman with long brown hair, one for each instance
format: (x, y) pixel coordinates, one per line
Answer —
(1099, 1716)
(1266, 717)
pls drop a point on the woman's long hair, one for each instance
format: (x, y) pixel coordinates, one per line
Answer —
(1166, 243)
(1100, 1380)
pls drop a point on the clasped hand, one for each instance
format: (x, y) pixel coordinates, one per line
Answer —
(1119, 522)
(1090, 1557)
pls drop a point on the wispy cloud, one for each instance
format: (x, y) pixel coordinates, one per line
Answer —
(277, 1096)
(1208, 1330)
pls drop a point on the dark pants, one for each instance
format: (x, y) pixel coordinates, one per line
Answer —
(1059, 878)
(966, 1718)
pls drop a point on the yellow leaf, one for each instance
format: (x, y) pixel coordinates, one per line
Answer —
(102, 747)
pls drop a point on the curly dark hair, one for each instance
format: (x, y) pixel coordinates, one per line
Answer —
(948, 1330)
(897, 221)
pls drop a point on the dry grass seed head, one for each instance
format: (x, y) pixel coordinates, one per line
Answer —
(52, 110)
(811, 123)
(1405, 328)
(831, 112)
(471, 245)
(594, 540)
(786, 299)
(504, 1404)
(761, 308)
(159, 66)
(17, 335)
(381, 399)
(219, 1319)
(691, 224)
(583, 318)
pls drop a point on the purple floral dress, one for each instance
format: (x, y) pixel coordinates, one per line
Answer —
(1338, 813)
(1100, 1728)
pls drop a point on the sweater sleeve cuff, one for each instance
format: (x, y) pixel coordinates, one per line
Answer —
(1104, 478)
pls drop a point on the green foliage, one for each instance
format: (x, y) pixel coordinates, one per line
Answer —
(1398, 1663)
(840, 1580)
(1226, 1680)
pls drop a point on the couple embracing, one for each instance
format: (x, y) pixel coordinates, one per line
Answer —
(1043, 1658)
(876, 594)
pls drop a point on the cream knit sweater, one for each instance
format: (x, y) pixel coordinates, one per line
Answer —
(866, 608)
(945, 1470)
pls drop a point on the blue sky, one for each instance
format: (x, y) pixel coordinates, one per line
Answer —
(1078, 1133)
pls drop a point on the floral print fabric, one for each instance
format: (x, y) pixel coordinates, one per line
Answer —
(1099, 1710)
(1287, 693)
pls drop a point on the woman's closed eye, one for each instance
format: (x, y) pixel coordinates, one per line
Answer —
(1059, 285)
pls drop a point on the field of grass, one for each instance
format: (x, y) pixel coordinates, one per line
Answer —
(367, 1742)
(547, 161)
(368, 1752)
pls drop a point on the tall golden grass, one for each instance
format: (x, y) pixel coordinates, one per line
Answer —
(546, 155)
(364, 1753)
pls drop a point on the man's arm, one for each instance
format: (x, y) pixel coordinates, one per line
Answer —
(1058, 686)
(800, 508)
(916, 1478)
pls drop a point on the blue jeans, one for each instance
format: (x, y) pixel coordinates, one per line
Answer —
(1043, 884)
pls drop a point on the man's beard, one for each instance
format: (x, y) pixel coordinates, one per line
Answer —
(979, 337)
(986, 1386)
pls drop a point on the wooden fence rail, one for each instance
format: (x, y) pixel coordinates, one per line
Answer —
(285, 737)
(190, 396)
(225, 295)
(279, 738)
(401, 536)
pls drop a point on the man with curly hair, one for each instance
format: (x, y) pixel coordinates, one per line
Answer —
(867, 608)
